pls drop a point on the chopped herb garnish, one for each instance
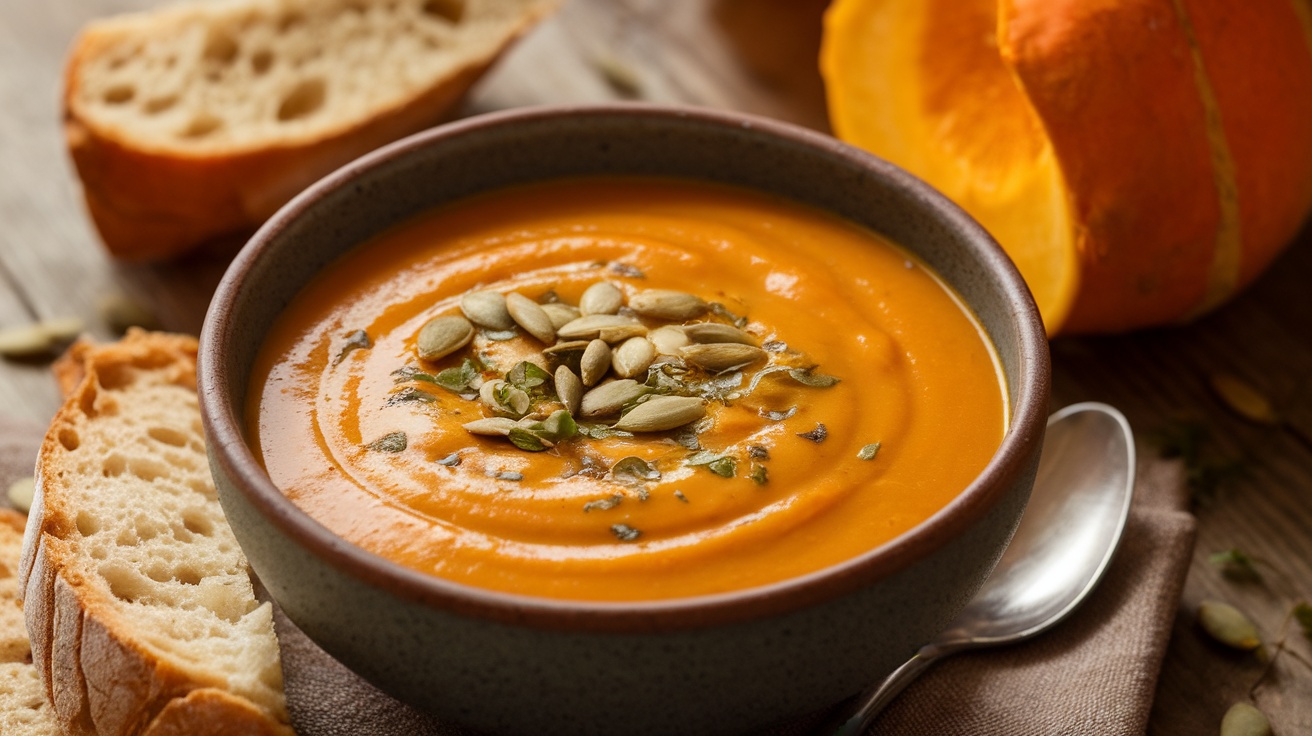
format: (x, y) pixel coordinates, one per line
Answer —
(679, 495)
(756, 379)
(526, 440)
(510, 476)
(451, 460)
(704, 457)
(558, 427)
(601, 431)
(779, 416)
(409, 395)
(725, 467)
(758, 452)
(688, 439)
(869, 451)
(624, 269)
(527, 376)
(1303, 615)
(603, 504)
(721, 311)
(806, 377)
(816, 435)
(500, 335)
(624, 532)
(760, 474)
(774, 346)
(457, 380)
(634, 468)
(394, 442)
(358, 340)
(1236, 565)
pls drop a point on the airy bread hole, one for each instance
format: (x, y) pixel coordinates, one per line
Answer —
(220, 46)
(187, 576)
(304, 99)
(69, 438)
(168, 435)
(201, 126)
(119, 94)
(159, 573)
(113, 376)
(261, 61)
(157, 105)
(113, 466)
(87, 525)
(148, 468)
(127, 538)
(452, 11)
(124, 584)
(290, 21)
(195, 521)
(87, 401)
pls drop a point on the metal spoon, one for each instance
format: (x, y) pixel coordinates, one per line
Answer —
(1061, 549)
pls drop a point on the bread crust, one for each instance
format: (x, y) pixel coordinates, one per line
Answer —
(150, 204)
(99, 676)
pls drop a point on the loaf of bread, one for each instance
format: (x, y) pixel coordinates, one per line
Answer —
(199, 120)
(23, 707)
(138, 601)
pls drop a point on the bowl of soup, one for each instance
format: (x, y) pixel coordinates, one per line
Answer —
(623, 418)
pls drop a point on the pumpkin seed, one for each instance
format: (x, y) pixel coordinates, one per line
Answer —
(569, 389)
(632, 357)
(665, 304)
(601, 298)
(487, 309)
(661, 413)
(561, 314)
(22, 492)
(528, 314)
(590, 326)
(1244, 400)
(441, 336)
(1228, 625)
(502, 398)
(119, 312)
(491, 426)
(1244, 720)
(713, 332)
(620, 333)
(610, 397)
(722, 356)
(40, 338)
(595, 362)
(668, 339)
(62, 329)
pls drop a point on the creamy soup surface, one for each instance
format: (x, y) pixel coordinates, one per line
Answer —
(871, 400)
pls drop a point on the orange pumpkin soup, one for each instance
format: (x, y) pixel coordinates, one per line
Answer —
(624, 389)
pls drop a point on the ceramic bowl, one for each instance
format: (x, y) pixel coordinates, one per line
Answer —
(714, 664)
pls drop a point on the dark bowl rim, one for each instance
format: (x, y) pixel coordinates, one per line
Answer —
(231, 456)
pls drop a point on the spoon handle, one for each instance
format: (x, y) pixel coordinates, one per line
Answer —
(873, 699)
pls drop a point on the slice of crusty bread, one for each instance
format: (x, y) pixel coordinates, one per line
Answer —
(198, 120)
(139, 602)
(24, 710)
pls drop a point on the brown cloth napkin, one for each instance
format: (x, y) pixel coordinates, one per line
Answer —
(1094, 674)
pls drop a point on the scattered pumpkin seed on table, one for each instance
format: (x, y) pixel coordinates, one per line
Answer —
(1227, 625)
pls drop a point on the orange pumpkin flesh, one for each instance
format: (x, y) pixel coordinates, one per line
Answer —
(1141, 160)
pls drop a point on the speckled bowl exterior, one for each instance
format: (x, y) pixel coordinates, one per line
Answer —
(726, 663)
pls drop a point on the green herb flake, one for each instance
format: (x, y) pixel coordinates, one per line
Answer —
(410, 395)
(394, 442)
(774, 346)
(557, 427)
(451, 460)
(457, 379)
(725, 467)
(758, 452)
(601, 431)
(807, 377)
(603, 504)
(1236, 565)
(721, 311)
(703, 457)
(624, 269)
(526, 375)
(526, 440)
(760, 475)
(1303, 615)
(358, 340)
(625, 533)
(688, 439)
(779, 416)
(508, 475)
(679, 495)
(634, 468)
(817, 435)
(869, 451)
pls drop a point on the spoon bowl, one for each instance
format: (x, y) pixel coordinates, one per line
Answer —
(1061, 549)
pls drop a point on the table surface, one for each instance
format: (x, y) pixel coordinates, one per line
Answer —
(758, 56)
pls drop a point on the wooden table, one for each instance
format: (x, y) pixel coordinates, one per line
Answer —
(757, 56)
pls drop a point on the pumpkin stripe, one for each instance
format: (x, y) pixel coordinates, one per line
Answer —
(1223, 274)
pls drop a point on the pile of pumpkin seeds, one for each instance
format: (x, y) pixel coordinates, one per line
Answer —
(612, 365)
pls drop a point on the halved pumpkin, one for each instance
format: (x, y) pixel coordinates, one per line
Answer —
(1140, 160)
